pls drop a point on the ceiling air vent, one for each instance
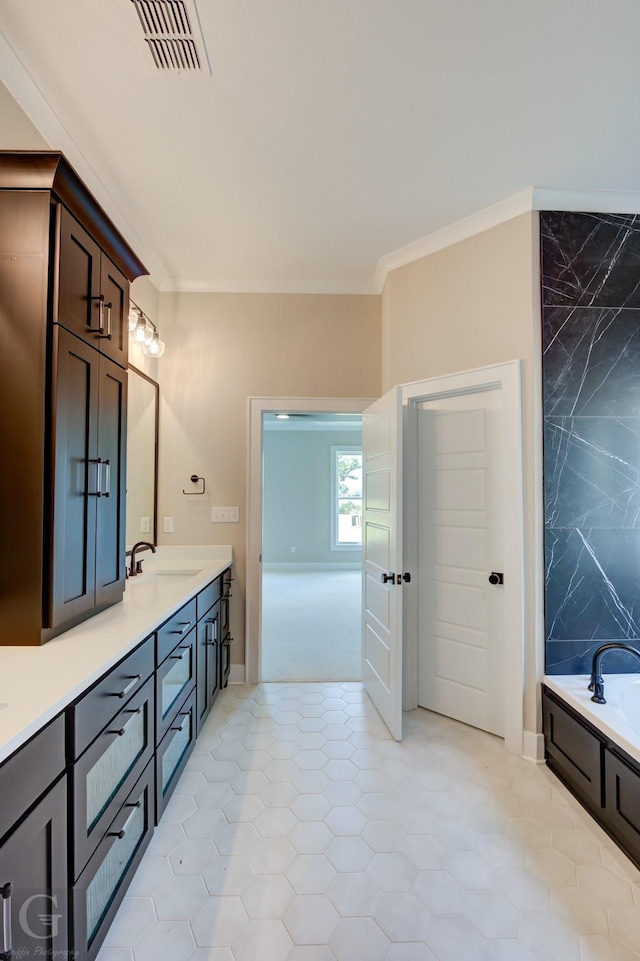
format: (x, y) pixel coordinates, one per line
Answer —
(173, 34)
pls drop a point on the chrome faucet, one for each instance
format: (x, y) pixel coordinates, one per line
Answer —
(596, 683)
(136, 566)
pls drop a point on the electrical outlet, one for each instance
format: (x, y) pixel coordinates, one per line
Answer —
(225, 515)
(168, 525)
(145, 525)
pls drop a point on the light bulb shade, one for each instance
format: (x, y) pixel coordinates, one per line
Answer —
(148, 334)
(155, 348)
(134, 315)
(143, 332)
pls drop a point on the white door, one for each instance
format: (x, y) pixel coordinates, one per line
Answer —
(382, 557)
(461, 545)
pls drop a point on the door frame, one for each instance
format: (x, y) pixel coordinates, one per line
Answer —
(253, 598)
(508, 377)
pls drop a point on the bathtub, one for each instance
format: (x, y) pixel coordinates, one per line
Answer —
(618, 719)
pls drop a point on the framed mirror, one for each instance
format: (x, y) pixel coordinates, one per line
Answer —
(142, 458)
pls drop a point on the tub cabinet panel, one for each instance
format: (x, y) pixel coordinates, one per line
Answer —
(574, 750)
(623, 801)
(600, 774)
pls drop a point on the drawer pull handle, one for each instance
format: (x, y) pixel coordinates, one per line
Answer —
(132, 683)
(186, 626)
(6, 890)
(123, 830)
(133, 710)
(117, 834)
(133, 804)
(119, 733)
(180, 657)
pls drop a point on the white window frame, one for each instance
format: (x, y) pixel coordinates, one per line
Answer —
(335, 450)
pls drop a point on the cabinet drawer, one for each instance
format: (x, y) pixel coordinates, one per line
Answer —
(622, 816)
(174, 679)
(176, 627)
(97, 708)
(173, 752)
(107, 771)
(101, 887)
(207, 598)
(29, 772)
(573, 749)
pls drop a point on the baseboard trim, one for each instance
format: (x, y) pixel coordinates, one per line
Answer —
(533, 747)
(236, 674)
(284, 568)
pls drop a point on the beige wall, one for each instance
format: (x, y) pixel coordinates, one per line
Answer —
(16, 130)
(223, 349)
(470, 305)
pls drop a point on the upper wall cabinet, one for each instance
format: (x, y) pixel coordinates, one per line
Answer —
(63, 264)
(94, 295)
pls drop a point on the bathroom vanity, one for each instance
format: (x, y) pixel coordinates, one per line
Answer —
(95, 731)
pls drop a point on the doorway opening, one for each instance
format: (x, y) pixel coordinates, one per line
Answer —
(311, 546)
(304, 605)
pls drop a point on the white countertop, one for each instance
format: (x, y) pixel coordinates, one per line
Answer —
(36, 683)
(572, 688)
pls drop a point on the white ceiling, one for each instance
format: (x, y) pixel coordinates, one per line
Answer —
(330, 132)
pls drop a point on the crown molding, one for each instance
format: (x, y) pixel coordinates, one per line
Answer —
(176, 285)
(526, 201)
(26, 92)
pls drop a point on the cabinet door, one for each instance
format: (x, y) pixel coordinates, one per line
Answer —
(34, 861)
(114, 287)
(80, 303)
(112, 438)
(77, 477)
(207, 664)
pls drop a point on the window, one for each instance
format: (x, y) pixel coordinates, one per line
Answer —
(346, 498)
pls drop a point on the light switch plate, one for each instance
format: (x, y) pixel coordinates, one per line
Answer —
(225, 515)
(145, 525)
(168, 525)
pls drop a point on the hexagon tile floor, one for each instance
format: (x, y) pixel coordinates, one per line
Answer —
(301, 832)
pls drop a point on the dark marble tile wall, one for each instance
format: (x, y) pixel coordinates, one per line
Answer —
(591, 389)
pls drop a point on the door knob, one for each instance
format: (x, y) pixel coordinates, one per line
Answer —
(496, 577)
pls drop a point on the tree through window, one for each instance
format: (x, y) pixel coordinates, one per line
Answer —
(347, 497)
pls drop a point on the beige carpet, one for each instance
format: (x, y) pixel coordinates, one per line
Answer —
(311, 626)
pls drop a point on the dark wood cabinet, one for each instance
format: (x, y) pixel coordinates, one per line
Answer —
(208, 663)
(622, 812)
(98, 892)
(33, 846)
(63, 268)
(93, 300)
(88, 549)
(33, 860)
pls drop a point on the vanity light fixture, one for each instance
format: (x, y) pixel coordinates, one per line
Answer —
(144, 332)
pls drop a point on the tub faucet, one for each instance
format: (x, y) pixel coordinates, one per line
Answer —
(136, 566)
(597, 681)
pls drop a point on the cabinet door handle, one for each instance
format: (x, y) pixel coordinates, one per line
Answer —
(98, 491)
(119, 732)
(100, 299)
(7, 948)
(107, 307)
(186, 626)
(132, 683)
(212, 632)
(107, 477)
